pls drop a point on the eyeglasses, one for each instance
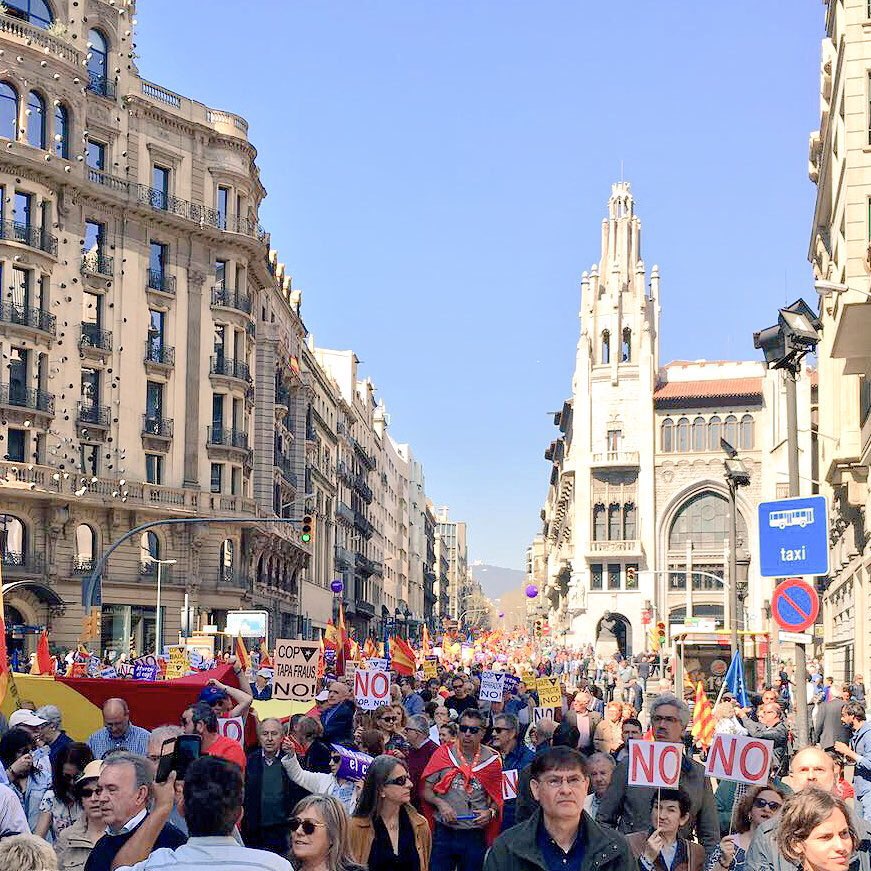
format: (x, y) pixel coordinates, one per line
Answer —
(87, 793)
(389, 719)
(670, 720)
(761, 803)
(499, 729)
(470, 730)
(335, 758)
(308, 826)
(573, 781)
(402, 780)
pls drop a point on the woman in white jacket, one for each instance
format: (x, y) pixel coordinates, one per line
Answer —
(345, 791)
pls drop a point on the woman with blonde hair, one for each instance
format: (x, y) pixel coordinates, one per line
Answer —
(387, 722)
(816, 831)
(26, 853)
(319, 835)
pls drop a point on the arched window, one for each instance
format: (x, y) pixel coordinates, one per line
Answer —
(8, 111)
(746, 440)
(667, 436)
(730, 430)
(13, 540)
(626, 350)
(61, 131)
(86, 546)
(715, 433)
(226, 560)
(98, 60)
(699, 434)
(36, 12)
(149, 551)
(36, 126)
(703, 520)
(615, 531)
(629, 524)
(683, 435)
(600, 532)
(606, 346)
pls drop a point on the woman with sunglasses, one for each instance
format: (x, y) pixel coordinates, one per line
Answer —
(386, 720)
(387, 833)
(60, 805)
(74, 844)
(326, 784)
(758, 804)
(319, 835)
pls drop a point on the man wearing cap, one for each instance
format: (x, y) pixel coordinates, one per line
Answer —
(226, 701)
(337, 714)
(118, 733)
(52, 733)
(262, 689)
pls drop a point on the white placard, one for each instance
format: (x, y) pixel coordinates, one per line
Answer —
(539, 714)
(491, 687)
(232, 728)
(295, 676)
(378, 664)
(371, 688)
(740, 758)
(509, 784)
(654, 763)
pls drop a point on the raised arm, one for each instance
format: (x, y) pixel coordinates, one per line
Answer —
(313, 781)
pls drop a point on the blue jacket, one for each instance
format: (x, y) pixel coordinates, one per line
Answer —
(516, 760)
(861, 743)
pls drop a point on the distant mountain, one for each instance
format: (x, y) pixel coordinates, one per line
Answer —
(496, 581)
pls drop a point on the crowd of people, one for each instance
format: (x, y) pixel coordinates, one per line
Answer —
(441, 780)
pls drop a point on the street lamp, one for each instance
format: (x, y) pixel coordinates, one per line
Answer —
(736, 476)
(158, 623)
(831, 288)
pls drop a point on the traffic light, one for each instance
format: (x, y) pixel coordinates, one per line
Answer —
(307, 527)
(657, 636)
(631, 575)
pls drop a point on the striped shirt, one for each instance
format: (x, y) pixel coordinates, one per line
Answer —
(213, 852)
(135, 739)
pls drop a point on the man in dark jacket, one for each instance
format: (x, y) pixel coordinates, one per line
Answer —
(559, 835)
(770, 727)
(515, 757)
(628, 808)
(270, 796)
(829, 727)
(337, 714)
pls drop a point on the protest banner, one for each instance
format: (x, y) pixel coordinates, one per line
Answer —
(178, 665)
(491, 687)
(549, 692)
(295, 677)
(430, 668)
(509, 784)
(145, 668)
(740, 758)
(232, 728)
(354, 764)
(539, 714)
(378, 664)
(350, 669)
(94, 666)
(108, 673)
(510, 682)
(654, 763)
(125, 669)
(371, 688)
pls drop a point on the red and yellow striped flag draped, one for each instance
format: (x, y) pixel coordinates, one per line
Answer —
(321, 657)
(402, 656)
(703, 718)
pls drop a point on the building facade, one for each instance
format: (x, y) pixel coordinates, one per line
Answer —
(840, 166)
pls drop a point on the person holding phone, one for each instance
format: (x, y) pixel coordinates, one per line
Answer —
(661, 847)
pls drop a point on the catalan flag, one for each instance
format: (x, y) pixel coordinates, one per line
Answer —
(370, 649)
(242, 653)
(703, 718)
(425, 646)
(402, 656)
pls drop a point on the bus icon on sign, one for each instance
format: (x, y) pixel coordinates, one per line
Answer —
(791, 517)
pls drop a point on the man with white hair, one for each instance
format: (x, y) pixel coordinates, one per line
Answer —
(52, 733)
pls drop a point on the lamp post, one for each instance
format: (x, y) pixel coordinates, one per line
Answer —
(736, 476)
(158, 622)
(784, 346)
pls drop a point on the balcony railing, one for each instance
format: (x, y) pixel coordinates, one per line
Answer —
(25, 397)
(160, 354)
(225, 437)
(285, 465)
(367, 460)
(344, 557)
(98, 264)
(616, 458)
(33, 35)
(159, 427)
(15, 563)
(344, 512)
(363, 524)
(619, 546)
(227, 298)
(229, 368)
(102, 86)
(94, 337)
(33, 237)
(97, 176)
(93, 414)
(158, 279)
(34, 318)
(363, 489)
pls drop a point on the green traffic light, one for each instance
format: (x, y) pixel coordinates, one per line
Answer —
(306, 537)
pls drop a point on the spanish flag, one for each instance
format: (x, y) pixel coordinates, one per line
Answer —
(242, 653)
(265, 658)
(425, 646)
(370, 649)
(703, 718)
(402, 656)
(331, 636)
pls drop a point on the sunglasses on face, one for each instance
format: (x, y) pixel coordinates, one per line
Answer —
(402, 780)
(87, 793)
(389, 719)
(497, 730)
(470, 730)
(761, 803)
(335, 759)
(308, 826)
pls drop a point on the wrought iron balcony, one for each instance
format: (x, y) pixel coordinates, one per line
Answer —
(363, 489)
(285, 465)
(148, 568)
(33, 318)
(12, 395)
(236, 299)
(159, 427)
(98, 264)
(159, 354)
(366, 459)
(33, 237)
(94, 337)
(159, 279)
(229, 578)
(344, 512)
(93, 414)
(229, 368)
(363, 524)
(97, 176)
(101, 86)
(344, 557)
(15, 563)
(221, 436)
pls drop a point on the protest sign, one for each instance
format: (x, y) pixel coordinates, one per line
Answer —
(509, 784)
(740, 758)
(430, 668)
(510, 682)
(108, 673)
(350, 669)
(296, 670)
(654, 763)
(178, 665)
(549, 692)
(539, 714)
(371, 688)
(125, 669)
(232, 728)
(378, 664)
(145, 668)
(94, 666)
(354, 764)
(491, 687)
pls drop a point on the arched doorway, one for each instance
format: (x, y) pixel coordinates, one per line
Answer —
(613, 633)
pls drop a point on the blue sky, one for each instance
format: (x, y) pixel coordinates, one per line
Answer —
(437, 173)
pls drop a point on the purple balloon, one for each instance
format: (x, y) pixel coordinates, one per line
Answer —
(501, 614)
(337, 586)
(531, 591)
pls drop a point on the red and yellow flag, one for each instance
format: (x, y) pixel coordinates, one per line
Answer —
(425, 646)
(4, 661)
(265, 658)
(242, 653)
(402, 656)
(703, 718)
(321, 658)
(44, 662)
(331, 636)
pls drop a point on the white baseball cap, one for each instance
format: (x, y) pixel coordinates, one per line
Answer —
(322, 696)
(265, 672)
(25, 718)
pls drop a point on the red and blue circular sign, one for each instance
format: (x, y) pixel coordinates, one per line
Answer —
(795, 605)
